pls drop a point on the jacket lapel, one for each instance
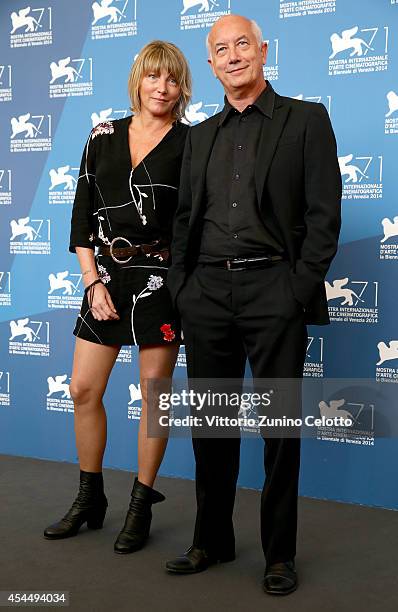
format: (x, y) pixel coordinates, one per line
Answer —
(201, 151)
(270, 135)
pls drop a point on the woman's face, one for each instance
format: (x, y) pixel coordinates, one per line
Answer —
(159, 93)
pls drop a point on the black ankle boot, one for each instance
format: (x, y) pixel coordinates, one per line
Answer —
(135, 531)
(89, 507)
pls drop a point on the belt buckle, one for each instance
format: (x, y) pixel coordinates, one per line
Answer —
(237, 260)
(111, 250)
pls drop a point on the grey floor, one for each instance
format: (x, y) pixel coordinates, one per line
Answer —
(347, 555)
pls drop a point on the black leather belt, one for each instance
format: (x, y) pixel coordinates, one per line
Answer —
(249, 263)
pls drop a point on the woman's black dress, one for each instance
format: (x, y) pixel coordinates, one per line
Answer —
(114, 200)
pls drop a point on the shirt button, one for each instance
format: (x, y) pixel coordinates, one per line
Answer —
(243, 118)
(234, 204)
(235, 235)
(237, 176)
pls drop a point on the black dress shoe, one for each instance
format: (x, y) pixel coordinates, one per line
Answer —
(280, 578)
(196, 560)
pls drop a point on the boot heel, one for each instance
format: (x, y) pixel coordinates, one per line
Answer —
(96, 521)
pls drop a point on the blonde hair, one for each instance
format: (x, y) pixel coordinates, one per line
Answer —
(156, 56)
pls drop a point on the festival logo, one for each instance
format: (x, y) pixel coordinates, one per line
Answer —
(181, 358)
(391, 116)
(30, 133)
(71, 77)
(271, 68)
(5, 83)
(5, 187)
(134, 405)
(5, 398)
(31, 27)
(325, 100)
(63, 182)
(253, 411)
(30, 338)
(356, 51)
(389, 247)
(334, 409)
(362, 176)
(114, 19)
(30, 236)
(125, 355)
(387, 354)
(248, 413)
(313, 366)
(304, 8)
(198, 112)
(108, 114)
(58, 396)
(361, 415)
(65, 290)
(352, 301)
(5, 288)
(197, 14)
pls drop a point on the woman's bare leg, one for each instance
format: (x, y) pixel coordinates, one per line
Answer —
(92, 365)
(155, 362)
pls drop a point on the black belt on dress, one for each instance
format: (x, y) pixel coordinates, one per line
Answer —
(246, 263)
(154, 248)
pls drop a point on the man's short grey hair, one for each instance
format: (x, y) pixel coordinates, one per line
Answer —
(255, 29)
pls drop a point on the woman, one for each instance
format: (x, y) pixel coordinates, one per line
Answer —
(125, 202)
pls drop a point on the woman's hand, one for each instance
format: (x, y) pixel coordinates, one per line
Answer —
(101, 304)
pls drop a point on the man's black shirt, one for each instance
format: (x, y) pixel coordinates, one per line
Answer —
(233, 226)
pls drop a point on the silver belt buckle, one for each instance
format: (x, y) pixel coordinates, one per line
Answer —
(120, 261)
(237, 260)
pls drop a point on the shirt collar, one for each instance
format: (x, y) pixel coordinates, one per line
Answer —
(264, 103)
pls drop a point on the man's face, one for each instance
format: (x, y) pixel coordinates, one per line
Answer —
(236, 58)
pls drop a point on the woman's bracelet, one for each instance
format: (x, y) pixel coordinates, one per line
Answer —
(87, 289)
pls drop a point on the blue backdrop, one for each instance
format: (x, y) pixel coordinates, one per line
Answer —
(64, 68)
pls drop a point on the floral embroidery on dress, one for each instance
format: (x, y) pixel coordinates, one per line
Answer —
(168, 333)
(91, 237)
(101, 234)
(103, 274)
(102, 128)
(154, 282)
(138, 203)
(163, 256)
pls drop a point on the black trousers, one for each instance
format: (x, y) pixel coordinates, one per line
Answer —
(226, 317)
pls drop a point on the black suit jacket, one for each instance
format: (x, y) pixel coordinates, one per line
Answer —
(297, 176)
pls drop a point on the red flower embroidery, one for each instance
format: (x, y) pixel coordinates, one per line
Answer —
(168, 333)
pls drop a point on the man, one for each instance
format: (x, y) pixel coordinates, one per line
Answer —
(255, 232)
